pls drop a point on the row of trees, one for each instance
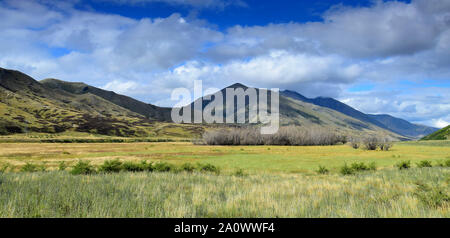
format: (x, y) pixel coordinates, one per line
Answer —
(290, 135)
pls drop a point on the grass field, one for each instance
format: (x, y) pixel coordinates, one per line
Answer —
(278, 181)
(252, 159)
(388, 193)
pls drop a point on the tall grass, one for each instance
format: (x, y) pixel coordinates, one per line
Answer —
(416, 192)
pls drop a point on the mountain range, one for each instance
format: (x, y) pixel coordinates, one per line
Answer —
(52, 106)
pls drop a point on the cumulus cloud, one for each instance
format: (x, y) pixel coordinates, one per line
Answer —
(217, 4)
(146, 58)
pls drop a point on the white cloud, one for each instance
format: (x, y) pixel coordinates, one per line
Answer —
(121, 87)
(220, 4)
(147, 58)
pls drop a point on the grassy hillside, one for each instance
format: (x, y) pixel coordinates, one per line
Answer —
(442, 134)
(148, 110)
(27, 106)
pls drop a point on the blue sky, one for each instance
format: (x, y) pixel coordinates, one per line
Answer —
(387, 57)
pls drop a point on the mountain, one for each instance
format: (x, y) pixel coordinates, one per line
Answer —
(298, 110)
(148, 110)
(335, 105)
(442, 134)
(403, 127)
(54, 106)
(393, 124)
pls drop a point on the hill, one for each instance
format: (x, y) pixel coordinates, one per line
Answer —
(27, 105)
(442, 134)
(148, 110)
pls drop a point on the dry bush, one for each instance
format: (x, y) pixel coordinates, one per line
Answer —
(285, 136)
(370, 143)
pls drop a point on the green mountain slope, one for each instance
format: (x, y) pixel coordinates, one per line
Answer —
(150, 111)
(442, 134)
(29, 106)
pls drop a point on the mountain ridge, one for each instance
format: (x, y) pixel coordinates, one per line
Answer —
(397, 125)
(122, 115)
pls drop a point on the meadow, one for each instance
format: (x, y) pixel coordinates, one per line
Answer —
(272, 181)
(252, 159)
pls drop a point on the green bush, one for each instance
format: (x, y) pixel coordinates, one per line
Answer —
(146, 166)
(424, 164)
(83, 167)
(239, 173)
(359, 166)
(322, 170)
(443, 163)
(5, 167)
(346, 170)
(62, 166)
(133, 167)
(111, 166)
(208, 168)
(29, 167)
(187, 167)
(164, 167)
(372, 166)
(406, 164)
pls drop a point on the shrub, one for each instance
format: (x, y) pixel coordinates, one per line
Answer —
(208, 168)
(164, 167)
(239, 172)
(62, 166)
(29, 167)
(346, 170)
(370, 143)
(443, 163)
(385, 146)
(146, 166)
(406, 164)
(355, 145)
(82, 167)
(132, 167)
(111, 166)
(187, 167)
(5, 167)
(322, 170)
(359, 166)
(372, 166)
(424, 164)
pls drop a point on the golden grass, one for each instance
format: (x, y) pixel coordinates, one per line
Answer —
(253, 159)
(387, 193)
